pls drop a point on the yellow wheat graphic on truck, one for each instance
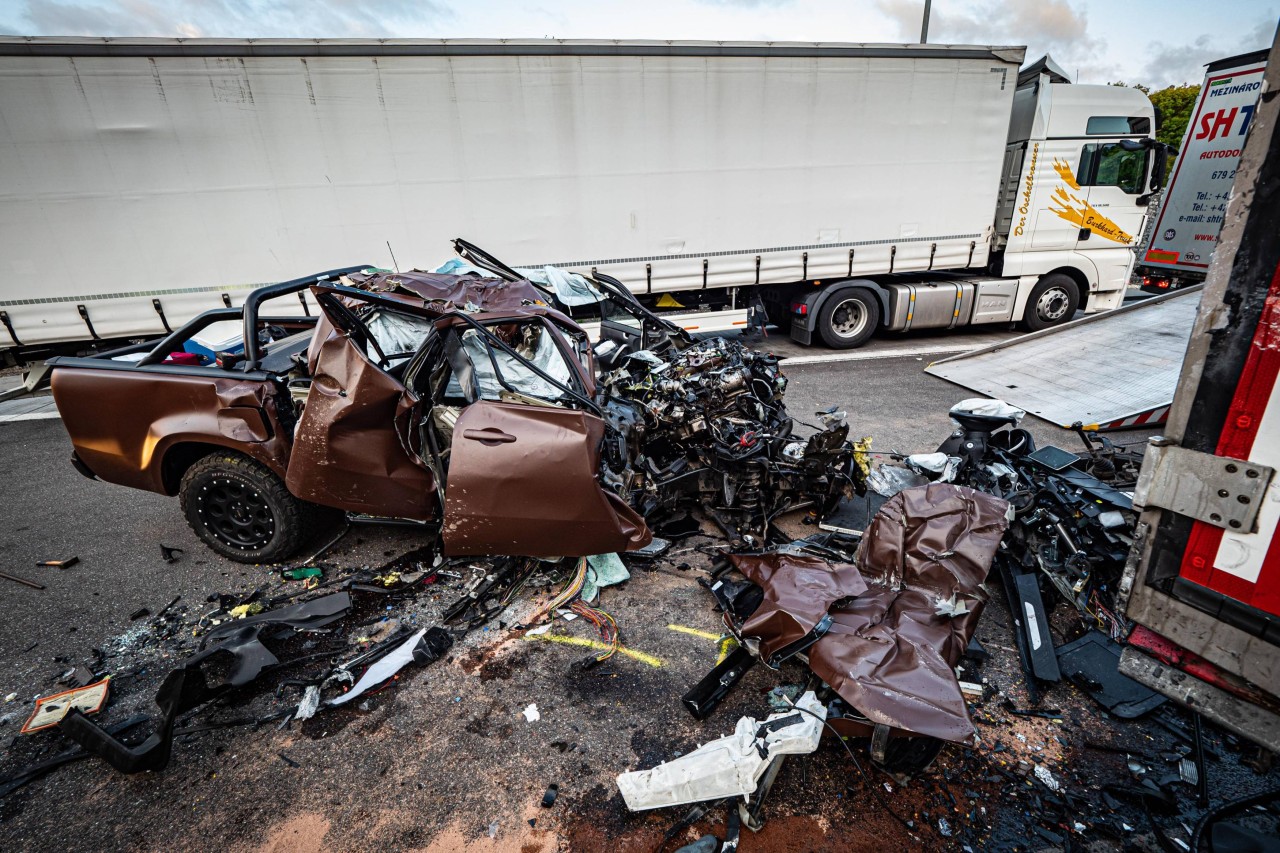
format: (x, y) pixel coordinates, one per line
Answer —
(1078, 211)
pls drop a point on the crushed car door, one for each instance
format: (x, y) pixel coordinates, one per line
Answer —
(347, 452)
(524, 451)
(523, 480)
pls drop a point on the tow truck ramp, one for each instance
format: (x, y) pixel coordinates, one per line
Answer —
(1111, 370)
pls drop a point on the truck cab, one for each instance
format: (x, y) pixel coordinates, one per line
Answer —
(1077, 182)
(1080, 165)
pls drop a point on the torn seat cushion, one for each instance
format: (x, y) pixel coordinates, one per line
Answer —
(890, 655)
(940, 538)
(799, 590)
(889, 652)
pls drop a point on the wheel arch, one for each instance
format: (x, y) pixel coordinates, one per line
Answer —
(835, 288)
(818, 297)
(180, 453)
(1075, 274)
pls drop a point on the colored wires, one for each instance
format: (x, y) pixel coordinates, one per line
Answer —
(605, 625)
(603, 622)
(571, 591)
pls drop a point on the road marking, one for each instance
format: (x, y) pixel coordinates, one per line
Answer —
(30, 416)
(596, 644)
(706, 635)
(932, 349)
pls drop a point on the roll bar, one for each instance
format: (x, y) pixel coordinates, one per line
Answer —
(252, 354)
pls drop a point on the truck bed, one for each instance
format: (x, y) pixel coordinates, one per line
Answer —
(1106, 371)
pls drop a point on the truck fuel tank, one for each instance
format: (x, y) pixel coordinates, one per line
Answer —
(929, 305)
(947, 304)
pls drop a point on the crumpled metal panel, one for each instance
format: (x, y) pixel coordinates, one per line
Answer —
(347, 451)
(520, 483)
(799, 589)
(122, 422)
(889, 653)
(486, 294)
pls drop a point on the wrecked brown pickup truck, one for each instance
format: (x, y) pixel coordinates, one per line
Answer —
(468, 403)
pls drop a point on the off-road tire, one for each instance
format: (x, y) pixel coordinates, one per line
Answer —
(243, 511)
(849, 319)
(1053, 301)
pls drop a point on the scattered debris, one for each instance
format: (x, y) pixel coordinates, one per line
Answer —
(77, 676)
(301, 573)
(705, 844)
(50, 710)
(170, 555)
(730, 766)
(872, 631)
(874, 616)
(22, 581)
(187, 687)
(59, 564)
(1092, 663)
(418, 648)
(1043, 774)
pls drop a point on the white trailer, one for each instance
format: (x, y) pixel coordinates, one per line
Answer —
(847, 186)
(1194, 205)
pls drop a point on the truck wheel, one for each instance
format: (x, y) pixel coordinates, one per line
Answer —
(1053, 301)
(848, 319)
(242, 510)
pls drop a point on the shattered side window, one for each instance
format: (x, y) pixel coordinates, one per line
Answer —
(498, 374)
(612, 310)
(398, 335)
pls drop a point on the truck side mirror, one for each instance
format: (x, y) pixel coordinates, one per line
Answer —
(1161, 167)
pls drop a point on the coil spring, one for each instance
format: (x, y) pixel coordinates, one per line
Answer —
(749, 490)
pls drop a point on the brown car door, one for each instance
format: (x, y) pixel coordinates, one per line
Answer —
(523, 455)
(523, 480)
(347, 451)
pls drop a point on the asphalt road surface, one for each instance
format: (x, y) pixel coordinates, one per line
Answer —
(444, 760)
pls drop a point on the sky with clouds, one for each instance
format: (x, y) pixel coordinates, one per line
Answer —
(1154, 42)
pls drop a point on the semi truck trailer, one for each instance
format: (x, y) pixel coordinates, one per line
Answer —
(1191, 212)
(838, 188)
